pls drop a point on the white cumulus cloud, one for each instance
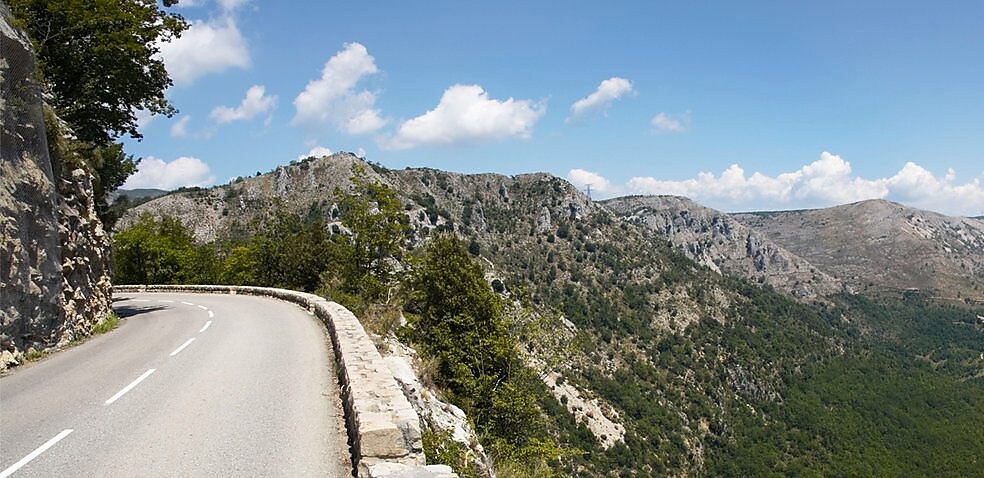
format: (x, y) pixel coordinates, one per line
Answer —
(144, 118)
(205, 48)
(255, 103)
(333, 98)
(583, 178)
(159, 174)
(466, 114)
(180, 127)
(230, 5)
(225, 5)
(826, 182)
(608, 91)
(672, 124)
(317, 152)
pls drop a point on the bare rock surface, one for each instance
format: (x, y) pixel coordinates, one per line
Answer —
(879, 246)
(725, 245)
(54, 282)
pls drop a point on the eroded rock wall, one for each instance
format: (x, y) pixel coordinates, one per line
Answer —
(31, 307)
(87, 287)
(54, 283)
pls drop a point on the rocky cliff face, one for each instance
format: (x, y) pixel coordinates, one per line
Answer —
(884, 246)
(87, 287)
(53, 272)
(723, 244)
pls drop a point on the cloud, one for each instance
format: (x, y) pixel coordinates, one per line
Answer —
(159, 174)
(466, 114)
(225, 5)
(255, 103)
(583, 178)
(608, 91)
(180, 127)
(668, 123)
(230, 5)
(826, 182)
(205, 48)
(317, 152)
(144, 118)
(333, 98)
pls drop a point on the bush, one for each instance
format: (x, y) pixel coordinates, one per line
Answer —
(457, 320)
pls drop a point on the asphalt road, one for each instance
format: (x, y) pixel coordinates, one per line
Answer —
(188, 385)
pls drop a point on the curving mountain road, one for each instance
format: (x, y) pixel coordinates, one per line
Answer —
(188, 385)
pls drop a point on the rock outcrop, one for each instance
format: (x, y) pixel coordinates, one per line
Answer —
(54, 283)
(881, 246)
(87, 287)
(725, 245)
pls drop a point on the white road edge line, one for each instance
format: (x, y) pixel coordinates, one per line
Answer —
(206, 326)
(34, 454)
(141, 300)
(129, 387)
(165, 301)
(179, 349)
(202, 307)
(211, 314)
(186, 303)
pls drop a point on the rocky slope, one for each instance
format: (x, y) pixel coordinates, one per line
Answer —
(54, 283)
(725, 245)
(881, 246)
(622, 301)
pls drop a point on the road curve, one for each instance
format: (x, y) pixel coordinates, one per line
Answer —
(188, 385)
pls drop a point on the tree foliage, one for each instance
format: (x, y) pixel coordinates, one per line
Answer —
(365, 258)
(458, 320)
(290, 252)
(161, 251)
(100, 59)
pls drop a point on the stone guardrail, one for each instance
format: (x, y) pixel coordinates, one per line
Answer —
(383, 428)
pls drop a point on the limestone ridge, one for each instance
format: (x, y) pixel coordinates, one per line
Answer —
(54, 283)
(882, 246)
(725, 245)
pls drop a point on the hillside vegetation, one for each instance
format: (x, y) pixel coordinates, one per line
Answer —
(709, 374)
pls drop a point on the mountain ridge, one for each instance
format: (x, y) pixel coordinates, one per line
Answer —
(718, 241)
(884, 246)
(700, 372)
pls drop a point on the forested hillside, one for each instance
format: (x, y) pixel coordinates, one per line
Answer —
(708, 374)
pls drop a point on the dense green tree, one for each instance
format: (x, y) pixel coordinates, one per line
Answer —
(153, 251)
(290, 252)
(458, 320)
(365, 258)
(100, 59)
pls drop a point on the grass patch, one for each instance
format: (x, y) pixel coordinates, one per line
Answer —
(33, 354)
(109, 323)
(441, 449)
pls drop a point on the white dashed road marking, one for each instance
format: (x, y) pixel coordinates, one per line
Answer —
(34, 454)
(130, 386)
(206, 326)
(179, 349)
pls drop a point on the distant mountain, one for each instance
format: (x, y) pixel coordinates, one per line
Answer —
(688, 372)
(136, 195)
(722, 243)
(881, 246)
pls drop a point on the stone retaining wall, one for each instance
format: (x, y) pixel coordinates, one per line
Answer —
(383, 428)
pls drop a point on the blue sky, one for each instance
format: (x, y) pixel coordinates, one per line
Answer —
(739, 105)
